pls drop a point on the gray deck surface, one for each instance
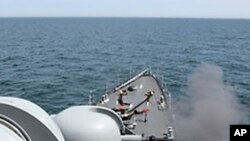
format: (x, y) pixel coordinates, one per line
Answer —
(158, 118)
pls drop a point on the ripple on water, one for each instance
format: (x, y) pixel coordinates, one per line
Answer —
(56, 62)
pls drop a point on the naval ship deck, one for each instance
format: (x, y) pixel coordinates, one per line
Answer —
(151, 115)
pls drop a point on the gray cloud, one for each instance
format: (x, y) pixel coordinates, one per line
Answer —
(210, 108)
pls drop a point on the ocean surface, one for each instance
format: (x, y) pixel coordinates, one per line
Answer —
(56, 62)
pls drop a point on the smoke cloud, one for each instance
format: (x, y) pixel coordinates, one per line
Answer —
(210, 108)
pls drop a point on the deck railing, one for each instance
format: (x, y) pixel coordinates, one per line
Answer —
(158, 78)
(131, 80)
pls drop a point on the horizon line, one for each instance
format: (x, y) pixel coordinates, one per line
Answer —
(223, 18)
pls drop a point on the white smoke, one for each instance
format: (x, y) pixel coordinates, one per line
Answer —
(211, 108)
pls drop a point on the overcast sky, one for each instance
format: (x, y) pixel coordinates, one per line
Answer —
(126, 8)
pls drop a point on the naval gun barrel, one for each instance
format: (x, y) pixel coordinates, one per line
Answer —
(148, 96)
(131, 138)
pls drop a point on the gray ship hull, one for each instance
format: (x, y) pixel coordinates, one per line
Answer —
(144, 105)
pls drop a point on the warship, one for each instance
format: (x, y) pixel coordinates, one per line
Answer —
(144, 106)
(137, 110)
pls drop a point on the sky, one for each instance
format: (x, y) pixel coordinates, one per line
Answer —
(126, 8)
